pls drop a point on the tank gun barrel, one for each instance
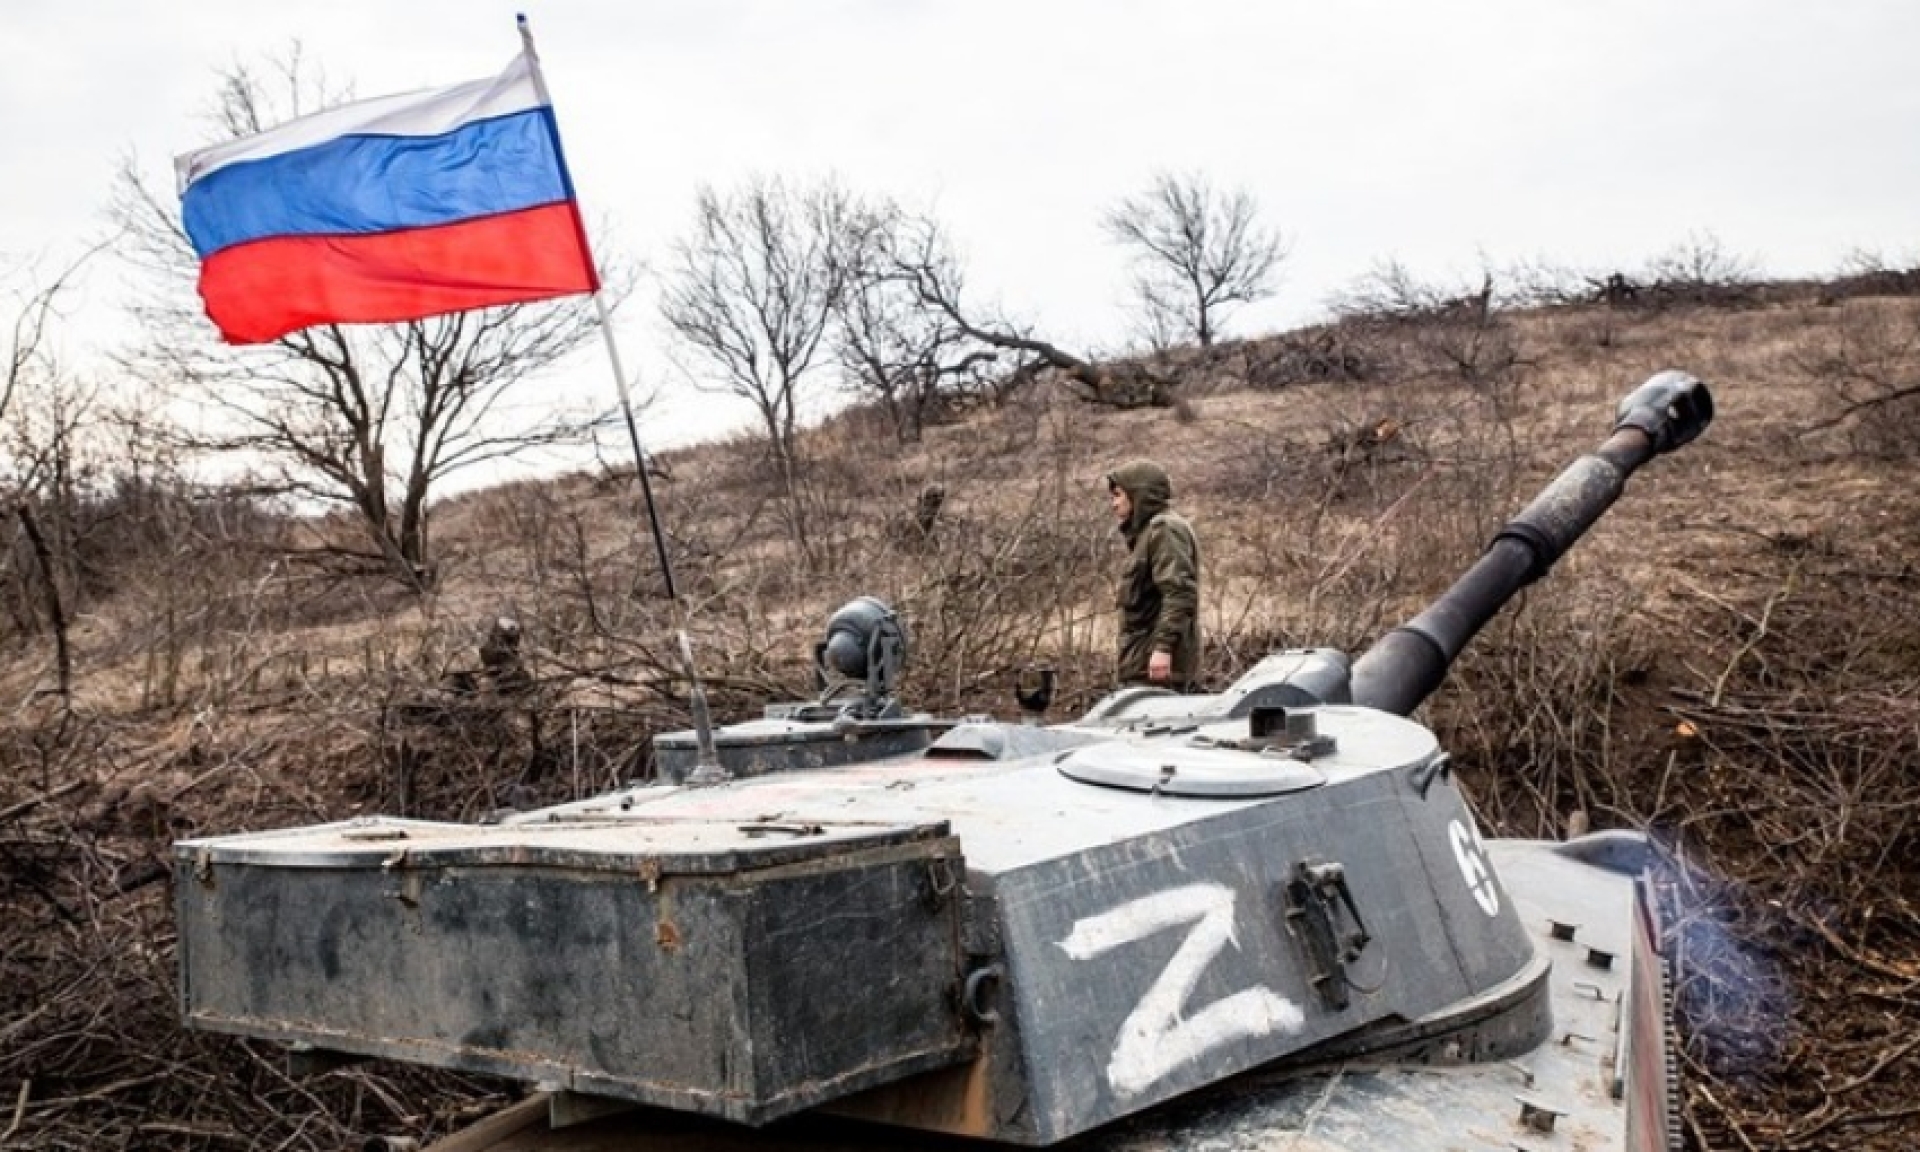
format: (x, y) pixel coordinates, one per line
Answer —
(1408, 663)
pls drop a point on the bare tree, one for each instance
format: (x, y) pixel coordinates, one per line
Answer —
(753, 294)
(371, 418)
(918, 255)
(57, 467)
(895, 349)
(32, 464)
(33, 309)
(1702, 263)
(1198, 253)
(1390, 291)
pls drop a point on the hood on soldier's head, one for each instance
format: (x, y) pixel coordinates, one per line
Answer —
(1148, 490)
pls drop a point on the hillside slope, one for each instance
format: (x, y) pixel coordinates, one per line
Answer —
(1729, 661)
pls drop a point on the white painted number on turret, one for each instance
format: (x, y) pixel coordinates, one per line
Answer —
(1158, 1037)
(1472, 858)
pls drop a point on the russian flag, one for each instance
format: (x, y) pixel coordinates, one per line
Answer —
(386, 210)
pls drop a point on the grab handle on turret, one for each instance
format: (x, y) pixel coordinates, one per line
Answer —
(1670, 410)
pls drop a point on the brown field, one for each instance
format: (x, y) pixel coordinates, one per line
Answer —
(1730, 661)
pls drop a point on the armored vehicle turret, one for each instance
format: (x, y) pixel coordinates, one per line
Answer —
(1006, 931)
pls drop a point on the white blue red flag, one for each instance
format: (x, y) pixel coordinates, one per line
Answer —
(385, 210)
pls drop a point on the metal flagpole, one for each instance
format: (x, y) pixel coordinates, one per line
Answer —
(707, 768)
(606, 329)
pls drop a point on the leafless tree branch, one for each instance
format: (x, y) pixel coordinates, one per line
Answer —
(1198, 252)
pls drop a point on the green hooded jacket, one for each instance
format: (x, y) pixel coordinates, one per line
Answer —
(1159, 594)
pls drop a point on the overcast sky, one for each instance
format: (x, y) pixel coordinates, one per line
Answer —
(1441, 135)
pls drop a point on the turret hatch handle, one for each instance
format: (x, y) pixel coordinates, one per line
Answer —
(1315, 897)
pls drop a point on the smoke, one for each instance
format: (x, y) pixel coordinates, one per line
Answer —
(1733, 1000)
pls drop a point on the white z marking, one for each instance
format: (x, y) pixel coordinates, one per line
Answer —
(1154, 1039)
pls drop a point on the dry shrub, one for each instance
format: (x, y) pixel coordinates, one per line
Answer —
(1534, 711)
(92, 1054)
(1874, 281)
(1781, 785)
(990, 591)
(1371, 502)
(1342, 352)
(1867, 364)
(171, 559)
(1802, 729)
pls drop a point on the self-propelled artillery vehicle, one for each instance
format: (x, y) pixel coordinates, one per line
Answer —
(1262, 918)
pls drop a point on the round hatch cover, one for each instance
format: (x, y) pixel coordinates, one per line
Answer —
(1188, 770)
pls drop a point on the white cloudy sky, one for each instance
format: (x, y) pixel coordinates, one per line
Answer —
(1592, 133)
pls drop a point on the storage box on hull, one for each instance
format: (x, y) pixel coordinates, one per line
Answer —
(719, 968)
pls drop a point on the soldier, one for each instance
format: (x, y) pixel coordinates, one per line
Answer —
(504, 668)
(1159, 595)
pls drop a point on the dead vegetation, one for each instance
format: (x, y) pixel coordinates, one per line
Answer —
(1728, 662)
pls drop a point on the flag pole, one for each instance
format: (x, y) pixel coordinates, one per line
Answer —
(606, 327)
(707, 768)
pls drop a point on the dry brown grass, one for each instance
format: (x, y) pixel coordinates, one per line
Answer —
(1728, 662)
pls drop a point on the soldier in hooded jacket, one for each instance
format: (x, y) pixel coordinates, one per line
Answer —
(1159, 594)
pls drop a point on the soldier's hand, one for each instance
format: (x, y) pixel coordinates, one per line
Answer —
(1160, 666)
